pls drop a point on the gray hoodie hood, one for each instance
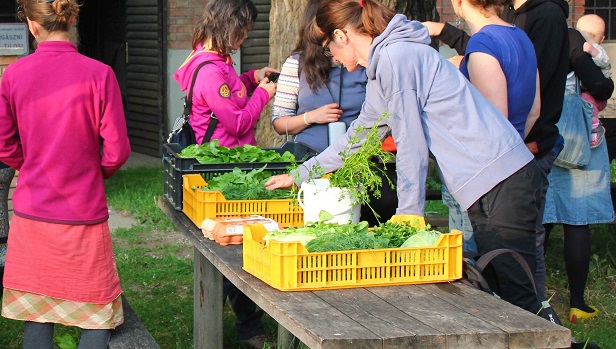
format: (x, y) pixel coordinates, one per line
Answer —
(399, 29)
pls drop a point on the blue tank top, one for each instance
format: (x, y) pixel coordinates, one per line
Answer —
(515, 52)
(353, 94)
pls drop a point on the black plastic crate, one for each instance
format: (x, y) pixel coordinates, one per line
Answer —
(175, 167)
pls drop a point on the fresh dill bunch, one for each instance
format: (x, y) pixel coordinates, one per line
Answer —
(359, 173)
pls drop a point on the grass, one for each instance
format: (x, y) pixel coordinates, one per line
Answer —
(155, 266)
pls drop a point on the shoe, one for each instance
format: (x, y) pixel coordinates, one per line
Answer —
(585, 345)
(576, 314)
(260, 341)
(596, 137)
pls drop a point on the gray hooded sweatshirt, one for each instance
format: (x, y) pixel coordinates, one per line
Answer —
(432, 108)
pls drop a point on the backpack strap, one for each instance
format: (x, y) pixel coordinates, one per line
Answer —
(188, 105)
(484, 260)
(473, 277)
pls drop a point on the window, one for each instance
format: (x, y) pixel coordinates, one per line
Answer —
(8, 12)
(606, 9)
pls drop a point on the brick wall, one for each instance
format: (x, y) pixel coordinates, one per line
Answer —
(182, 16)
(445, 9)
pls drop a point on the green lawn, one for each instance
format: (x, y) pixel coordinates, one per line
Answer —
(155, 265)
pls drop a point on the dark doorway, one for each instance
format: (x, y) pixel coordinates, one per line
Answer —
(102, 34)
(128, 36)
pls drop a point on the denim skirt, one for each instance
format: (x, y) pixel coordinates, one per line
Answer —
(580, 196)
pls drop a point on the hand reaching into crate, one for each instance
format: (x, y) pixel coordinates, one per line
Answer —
(279, 181)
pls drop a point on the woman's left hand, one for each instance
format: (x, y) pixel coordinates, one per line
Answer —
(263, 72)
(279, 181)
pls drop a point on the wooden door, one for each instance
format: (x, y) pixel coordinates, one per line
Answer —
(144, 103)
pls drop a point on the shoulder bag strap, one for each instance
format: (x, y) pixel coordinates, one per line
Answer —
(188, 105)
(487, 258)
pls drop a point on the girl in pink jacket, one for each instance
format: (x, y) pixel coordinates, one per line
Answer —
(218, 89)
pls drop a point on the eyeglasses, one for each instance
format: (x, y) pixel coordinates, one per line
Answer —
(326, 51)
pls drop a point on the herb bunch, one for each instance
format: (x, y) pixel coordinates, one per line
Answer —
(359, 173)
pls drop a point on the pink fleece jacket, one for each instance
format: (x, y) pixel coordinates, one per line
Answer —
(62, 126)
(220, 90)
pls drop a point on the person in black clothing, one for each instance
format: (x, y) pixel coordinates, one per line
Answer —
(545, 23)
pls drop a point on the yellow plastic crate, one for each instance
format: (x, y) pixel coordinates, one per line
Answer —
(200, 204)
(288, 266)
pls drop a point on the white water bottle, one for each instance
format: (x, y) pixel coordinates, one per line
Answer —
(335, 130)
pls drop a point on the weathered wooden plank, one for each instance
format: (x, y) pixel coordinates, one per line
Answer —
(525, 330)
(384, 319)
(208, 304)
(132, 333)
(459, 329)
(286, 339)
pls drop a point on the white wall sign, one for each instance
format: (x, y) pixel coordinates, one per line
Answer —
(13, 39)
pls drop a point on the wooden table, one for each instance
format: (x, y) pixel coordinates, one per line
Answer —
(445, 315)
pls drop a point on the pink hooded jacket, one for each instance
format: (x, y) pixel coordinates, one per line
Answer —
(220, 90)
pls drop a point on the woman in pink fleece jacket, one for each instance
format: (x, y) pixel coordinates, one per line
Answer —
(62, 126)
(218, 89)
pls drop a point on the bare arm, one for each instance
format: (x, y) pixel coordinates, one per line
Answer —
(296, 124)
(533, 115)
(487, 76)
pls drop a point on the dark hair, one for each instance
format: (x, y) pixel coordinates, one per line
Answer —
(364, 16)
(53, 16)
(223, 22)
(313, 63)
(498, 5)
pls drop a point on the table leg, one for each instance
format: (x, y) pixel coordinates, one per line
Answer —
(208, 303)
(286, 339)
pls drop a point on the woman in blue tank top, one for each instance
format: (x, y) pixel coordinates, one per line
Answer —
(500, 62)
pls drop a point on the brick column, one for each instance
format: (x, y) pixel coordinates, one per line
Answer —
(181, 18)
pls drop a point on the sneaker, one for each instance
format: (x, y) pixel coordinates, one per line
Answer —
(260, 341)
(596, 137)
(585, 345)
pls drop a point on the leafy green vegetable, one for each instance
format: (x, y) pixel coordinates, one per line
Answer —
(325, 237)
(346, 240)
(422, 239)
(397, 232)
(359, 173)
(212, 153)
(65, 341)
(242, 185)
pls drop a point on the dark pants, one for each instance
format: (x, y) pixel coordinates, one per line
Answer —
(248, 318)
(40, 336)
(506, 217)
(545, 164)
(386, 205)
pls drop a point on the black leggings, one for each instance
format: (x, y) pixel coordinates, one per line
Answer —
(577, 253)
(40, 336)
